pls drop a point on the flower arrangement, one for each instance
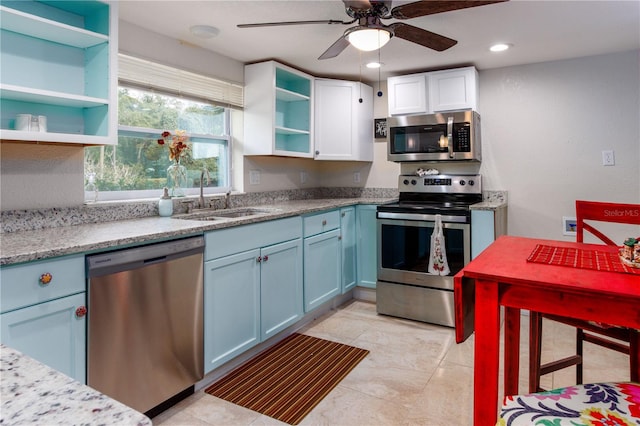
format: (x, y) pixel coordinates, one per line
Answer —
(177, 145)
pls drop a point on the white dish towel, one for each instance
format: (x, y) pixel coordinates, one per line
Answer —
(438, 257)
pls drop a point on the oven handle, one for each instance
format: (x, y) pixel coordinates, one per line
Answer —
(423, 217)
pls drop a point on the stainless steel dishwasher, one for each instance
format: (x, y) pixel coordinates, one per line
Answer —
(145, 337)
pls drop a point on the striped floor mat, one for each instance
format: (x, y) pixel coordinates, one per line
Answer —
(289, 379)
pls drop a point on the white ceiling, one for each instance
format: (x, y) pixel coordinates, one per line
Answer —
(539, 31)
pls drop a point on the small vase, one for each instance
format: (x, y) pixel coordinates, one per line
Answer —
(176, 179)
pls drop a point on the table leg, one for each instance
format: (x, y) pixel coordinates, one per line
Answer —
(511, 350)
(487, 354)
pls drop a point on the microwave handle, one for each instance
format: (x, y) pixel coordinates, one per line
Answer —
(450, 136)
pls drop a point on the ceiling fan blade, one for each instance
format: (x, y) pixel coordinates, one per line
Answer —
(422, 37)
(335, 49)
(423, 8)
(277, 24)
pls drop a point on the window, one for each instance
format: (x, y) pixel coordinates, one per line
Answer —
(152, 99)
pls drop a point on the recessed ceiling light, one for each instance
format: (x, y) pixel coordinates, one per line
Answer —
(374, 64)
(204, 31)
(500, 47)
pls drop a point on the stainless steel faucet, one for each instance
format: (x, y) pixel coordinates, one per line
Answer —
(202, 175)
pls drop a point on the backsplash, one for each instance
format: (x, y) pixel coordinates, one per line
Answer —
(26, 220)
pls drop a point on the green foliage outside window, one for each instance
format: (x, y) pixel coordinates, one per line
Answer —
(138, 162)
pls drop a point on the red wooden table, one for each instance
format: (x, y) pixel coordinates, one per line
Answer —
(501, 275)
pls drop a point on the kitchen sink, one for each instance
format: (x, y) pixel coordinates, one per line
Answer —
(211, 215)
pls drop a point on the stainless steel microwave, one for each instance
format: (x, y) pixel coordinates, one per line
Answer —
(446, 136)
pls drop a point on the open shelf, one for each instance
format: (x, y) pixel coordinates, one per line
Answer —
(35, 26)
(59, 60)
(25, 94)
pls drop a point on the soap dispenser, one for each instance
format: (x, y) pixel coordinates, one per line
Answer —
(165, 204)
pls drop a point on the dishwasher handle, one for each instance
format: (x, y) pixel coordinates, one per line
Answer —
(138, 257)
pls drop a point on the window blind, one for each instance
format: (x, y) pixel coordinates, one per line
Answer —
(170, 80)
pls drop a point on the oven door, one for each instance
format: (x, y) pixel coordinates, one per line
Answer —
(405, 247)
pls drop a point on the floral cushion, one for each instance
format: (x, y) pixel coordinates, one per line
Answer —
(598, 404)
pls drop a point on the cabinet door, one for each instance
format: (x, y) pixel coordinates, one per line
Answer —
(452, 90)
(343, 120)
(322, 272)
(335, 123)
(281, 287)
(482, 231)
(367, 254)
(348, 243)
(231, 307)
(51, 333)
(407, 94)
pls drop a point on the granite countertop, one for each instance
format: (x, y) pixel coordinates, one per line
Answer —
(33, 393)
(25, 246)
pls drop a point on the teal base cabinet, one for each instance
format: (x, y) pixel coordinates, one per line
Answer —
(487, 225)
(281, 287)
(252, 286)
(44, 313)
(322, 258)
(231, 307)
(348, 244)
(367, 241)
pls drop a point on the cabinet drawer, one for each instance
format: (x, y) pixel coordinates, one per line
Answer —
(321, 222)
(237, 239)
(21, 286)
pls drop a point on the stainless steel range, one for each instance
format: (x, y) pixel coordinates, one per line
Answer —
(405, 288)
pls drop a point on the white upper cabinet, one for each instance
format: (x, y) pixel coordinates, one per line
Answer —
(343, 120)
(278, 113)
(407, 94)
(59, 65)
(436, 91)
(452, 90)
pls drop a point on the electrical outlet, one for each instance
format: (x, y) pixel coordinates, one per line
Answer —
(608, 159)
(254, 177)
(356, 177)
(303, 177)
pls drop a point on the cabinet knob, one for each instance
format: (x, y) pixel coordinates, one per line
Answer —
(46, 278)
(81, 311)
(265, 258)
(324, 223)
(343, 214)
(317, 152)
(339, 237)
(259, 259)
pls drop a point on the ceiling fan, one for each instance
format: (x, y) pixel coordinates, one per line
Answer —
(371, 34)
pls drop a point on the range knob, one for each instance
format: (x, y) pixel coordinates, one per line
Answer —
(406, 181)
(462, 182)
(471, 182)
(413, 182)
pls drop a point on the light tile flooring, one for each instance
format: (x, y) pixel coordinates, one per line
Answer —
(415, 374)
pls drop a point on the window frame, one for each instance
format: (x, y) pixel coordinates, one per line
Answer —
(157, 134)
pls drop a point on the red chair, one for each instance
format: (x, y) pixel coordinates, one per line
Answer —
(599, 334)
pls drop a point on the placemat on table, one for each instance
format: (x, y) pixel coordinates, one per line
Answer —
(580, 258)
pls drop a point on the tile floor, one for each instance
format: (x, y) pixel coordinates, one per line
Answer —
(415, 374)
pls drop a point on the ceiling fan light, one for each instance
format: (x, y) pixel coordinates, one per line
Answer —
(368, 39)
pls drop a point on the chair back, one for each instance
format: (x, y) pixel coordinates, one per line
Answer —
(604, 212)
